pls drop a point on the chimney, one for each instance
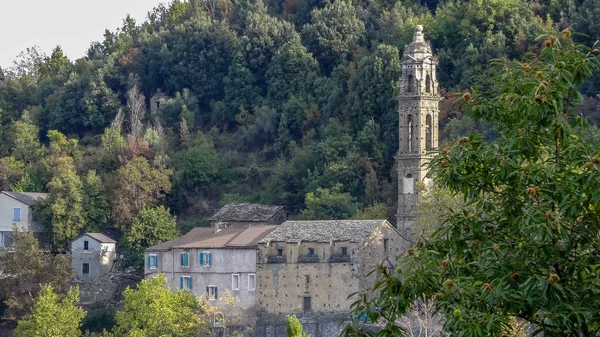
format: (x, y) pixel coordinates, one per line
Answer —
(217, 226)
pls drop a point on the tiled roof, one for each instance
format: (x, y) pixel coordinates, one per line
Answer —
(246, 212)
(323, 231)
(28, 198)
(205, 237)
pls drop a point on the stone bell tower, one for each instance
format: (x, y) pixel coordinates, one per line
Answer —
(418, 127)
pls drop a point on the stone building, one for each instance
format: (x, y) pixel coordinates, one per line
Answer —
(245, 214)
(309, 268)
(211, 261)
(92, 256)
(19, 208)
(418, 111)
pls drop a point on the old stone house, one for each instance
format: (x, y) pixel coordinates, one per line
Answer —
(211, 261)
(19, 208)
(311, 267)
(92, 256)
(245, 214)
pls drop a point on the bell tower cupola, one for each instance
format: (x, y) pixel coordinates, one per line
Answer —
(418, 126)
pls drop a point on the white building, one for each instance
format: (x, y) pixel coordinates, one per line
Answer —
(19, 208)
(92, 255)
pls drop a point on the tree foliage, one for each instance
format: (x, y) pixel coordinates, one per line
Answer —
(525, 243)
(53, 315)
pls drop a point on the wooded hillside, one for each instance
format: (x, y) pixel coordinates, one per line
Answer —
(280, 102)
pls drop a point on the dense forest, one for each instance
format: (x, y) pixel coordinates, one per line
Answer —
(280, 102)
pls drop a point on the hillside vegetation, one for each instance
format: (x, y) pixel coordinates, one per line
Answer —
(281, 102)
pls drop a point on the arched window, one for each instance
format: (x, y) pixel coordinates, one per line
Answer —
(428, 131)
(409, 86)
(409, 125)
(427, 83)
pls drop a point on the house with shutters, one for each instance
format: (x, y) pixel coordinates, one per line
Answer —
(211, 261)
(92, 256)
(20, 209)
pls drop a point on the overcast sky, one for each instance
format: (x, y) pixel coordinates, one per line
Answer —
(72, 24)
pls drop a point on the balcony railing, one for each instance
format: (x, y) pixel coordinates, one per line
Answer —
(276, 259)
(340, 258)
(308, 258)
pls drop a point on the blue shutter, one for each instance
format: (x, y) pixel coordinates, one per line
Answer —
(201, 258)
(149, 261)
(17, 213)
(181, 283)
(208, 258)
(187, 259)
(181, 260)
(156, 261)
(190, 283)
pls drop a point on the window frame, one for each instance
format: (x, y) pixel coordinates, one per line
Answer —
(233, 277)
(344, 251)
(205, 258)
(187, 282)
(385, 244)
(83, 265)
(216, 292)
(153, 261)
(253, 277)
(86, 245)
(187, 259)
(15, 212)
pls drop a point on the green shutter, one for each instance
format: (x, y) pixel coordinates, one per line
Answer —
(181, 283)
(148, 261)
(208, 258)
(201, 258)
(181, 260)
(156, 261)
(190, 283)
(187, 259)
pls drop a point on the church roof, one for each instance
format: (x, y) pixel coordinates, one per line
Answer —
(323, 231)
(418, 49)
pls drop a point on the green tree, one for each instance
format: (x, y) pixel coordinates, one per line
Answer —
(63, 211)
(53, 316)
(293, 327)
(328, 204)
(24, 140)
(95, 204)
(139, 185)
(28, 262)
(333, 33)
(150, 227)
(154, 310)
(201, 166)
(528, 247)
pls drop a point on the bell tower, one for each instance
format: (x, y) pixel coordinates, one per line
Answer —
(418, 127)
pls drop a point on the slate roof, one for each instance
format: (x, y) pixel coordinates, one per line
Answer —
(98, 237)
(28, 198)
(245, 212)
(205, 237)
(323, 231)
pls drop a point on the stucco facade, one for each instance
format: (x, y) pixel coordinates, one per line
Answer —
(211, 262)
(18, 209)
(92, 256)
(310, 273)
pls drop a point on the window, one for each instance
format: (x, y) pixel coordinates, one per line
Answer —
(204, 259)
(212, 292)
(17, 214)
(311, 251)
(385, 245)
(251, 282)
(428, 139)
(86, 245)
(219, 321)
(6, 239)
(152, 261)
(185, 282)
(409, 134)
(409, 88)
(427, 83)
(307, 279)
(185, 259)
(279, 251)
(307, 304)
(85, 268)
(235, 282)
(344, 251)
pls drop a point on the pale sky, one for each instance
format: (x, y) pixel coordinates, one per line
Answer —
(72, 24)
